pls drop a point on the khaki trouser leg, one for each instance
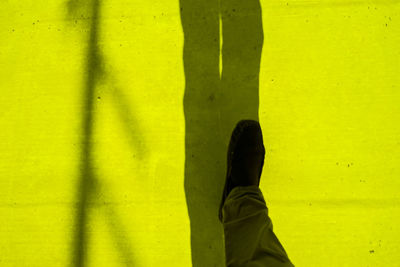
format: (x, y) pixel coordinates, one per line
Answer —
(249, 239)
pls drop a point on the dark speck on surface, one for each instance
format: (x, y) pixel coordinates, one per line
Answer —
(211, 97)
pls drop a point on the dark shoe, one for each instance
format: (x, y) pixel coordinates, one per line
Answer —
(245, 158)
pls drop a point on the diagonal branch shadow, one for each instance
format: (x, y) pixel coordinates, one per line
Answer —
(116, 226)
(126, 115)
(119, 235)
(214, 104)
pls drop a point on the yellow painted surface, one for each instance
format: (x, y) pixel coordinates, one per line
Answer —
(329, 109)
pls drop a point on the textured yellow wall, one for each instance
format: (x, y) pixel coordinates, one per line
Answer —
(329, 109)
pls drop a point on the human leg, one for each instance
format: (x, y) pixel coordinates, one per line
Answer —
(249, 236)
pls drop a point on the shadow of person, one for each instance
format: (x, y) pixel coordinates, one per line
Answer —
(213, 104)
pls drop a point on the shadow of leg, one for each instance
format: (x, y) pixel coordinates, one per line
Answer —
(204, 151)
(242, 36)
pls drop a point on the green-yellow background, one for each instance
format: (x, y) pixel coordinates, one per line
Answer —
(329, 109)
